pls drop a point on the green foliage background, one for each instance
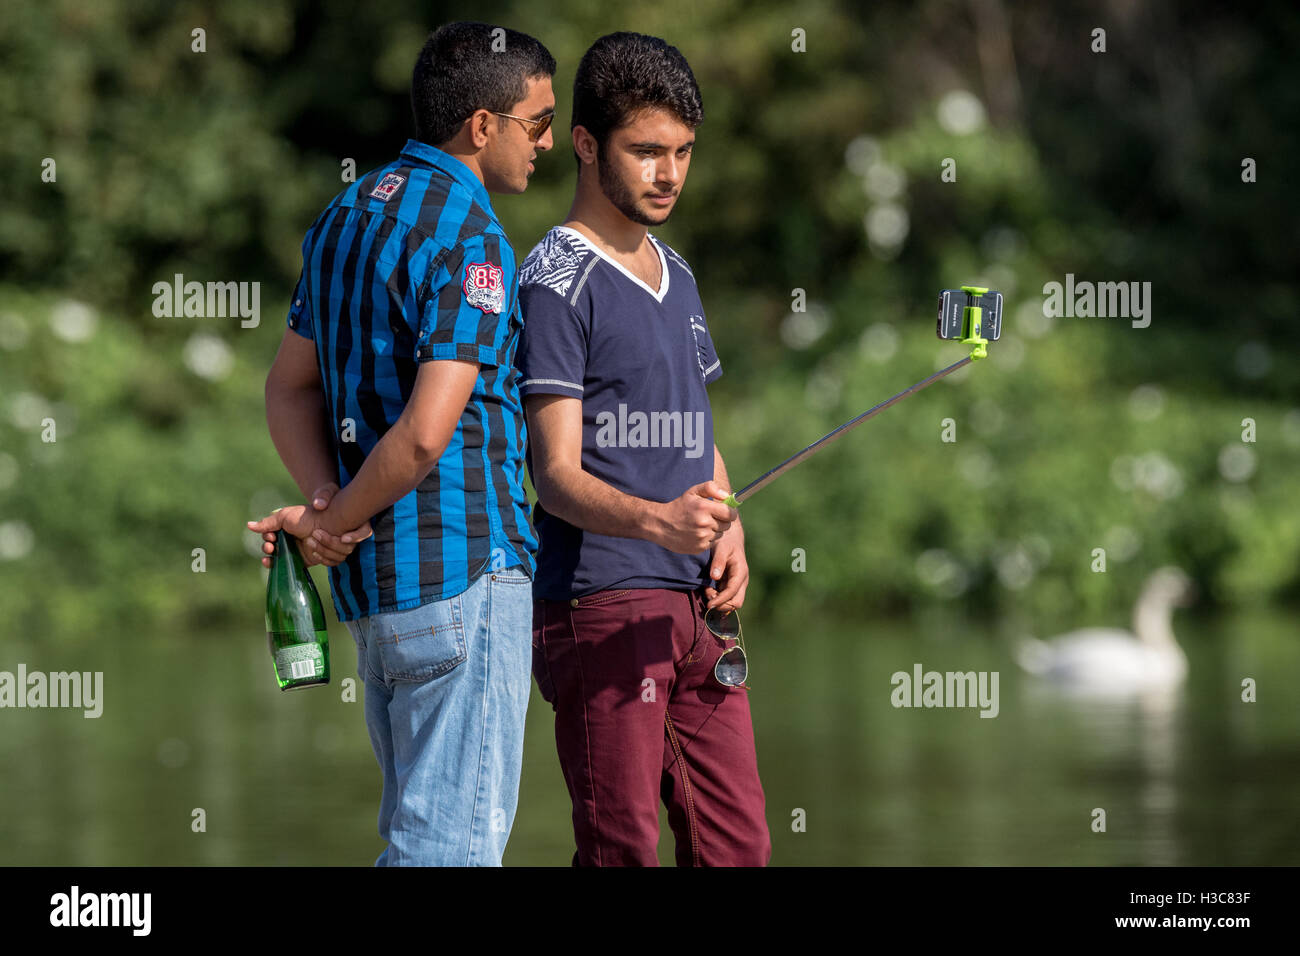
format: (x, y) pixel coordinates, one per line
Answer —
(1075, 434)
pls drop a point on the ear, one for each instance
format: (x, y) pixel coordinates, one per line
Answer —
(478, 127)
(584, 144)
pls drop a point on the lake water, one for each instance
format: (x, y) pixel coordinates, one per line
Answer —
(196, 721)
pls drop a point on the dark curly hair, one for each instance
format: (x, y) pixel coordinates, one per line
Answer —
(624, 73)
(459, 71)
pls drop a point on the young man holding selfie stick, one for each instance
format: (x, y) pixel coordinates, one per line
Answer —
(639, 561)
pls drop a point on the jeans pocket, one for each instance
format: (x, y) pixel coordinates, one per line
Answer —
(358, 631)
(542, 674)
(541, 666)
(422, 643)
(515, 574)
(600, 598)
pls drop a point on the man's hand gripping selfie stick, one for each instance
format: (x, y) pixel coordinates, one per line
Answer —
(971, 328)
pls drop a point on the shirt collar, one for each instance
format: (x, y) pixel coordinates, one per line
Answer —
(428, 155)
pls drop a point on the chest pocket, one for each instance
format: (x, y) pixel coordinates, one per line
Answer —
(705, 355)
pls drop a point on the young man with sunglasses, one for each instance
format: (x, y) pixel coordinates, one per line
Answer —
(640, 566)
(398, 382)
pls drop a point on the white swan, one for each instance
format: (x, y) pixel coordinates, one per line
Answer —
(1100, 660)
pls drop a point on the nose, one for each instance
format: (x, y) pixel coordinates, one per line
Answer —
(666, 171)
(545, 141)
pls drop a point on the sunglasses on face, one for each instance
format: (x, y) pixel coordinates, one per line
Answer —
(533, 127)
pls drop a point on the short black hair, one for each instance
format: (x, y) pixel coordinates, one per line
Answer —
(465, 67)
(624, 73)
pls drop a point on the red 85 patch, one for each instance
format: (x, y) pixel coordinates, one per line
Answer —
(484, 288)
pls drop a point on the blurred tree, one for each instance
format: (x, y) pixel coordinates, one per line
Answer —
(820, 167)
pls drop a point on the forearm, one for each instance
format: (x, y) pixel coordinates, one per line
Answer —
(394, 467)
(587, 502)
(299, 427)
(720, 469)
(720, 476)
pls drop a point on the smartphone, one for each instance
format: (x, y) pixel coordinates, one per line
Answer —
(952, 305)
(952, 313)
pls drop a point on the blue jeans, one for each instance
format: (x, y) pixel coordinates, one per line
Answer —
(447, 688)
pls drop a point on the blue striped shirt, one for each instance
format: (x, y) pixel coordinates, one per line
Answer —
(408, 265)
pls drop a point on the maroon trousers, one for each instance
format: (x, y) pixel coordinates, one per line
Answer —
(639, 716)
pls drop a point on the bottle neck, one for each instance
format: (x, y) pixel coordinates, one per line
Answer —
(286, 547)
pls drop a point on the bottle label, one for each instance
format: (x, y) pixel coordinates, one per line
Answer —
(299, 662)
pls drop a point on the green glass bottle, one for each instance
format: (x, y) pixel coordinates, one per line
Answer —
(295, 620)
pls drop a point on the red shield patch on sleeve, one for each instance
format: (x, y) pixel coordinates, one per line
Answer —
(387, 186)
(484, 288)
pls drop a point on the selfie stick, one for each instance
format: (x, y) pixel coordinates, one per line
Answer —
(970, 336)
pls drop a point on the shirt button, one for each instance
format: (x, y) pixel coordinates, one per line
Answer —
(573, 603)
(298, 302)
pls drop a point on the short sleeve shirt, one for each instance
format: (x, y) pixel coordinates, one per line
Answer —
(640, 360)
(410, 265)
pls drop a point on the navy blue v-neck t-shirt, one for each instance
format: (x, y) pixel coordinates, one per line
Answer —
(640, 360)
